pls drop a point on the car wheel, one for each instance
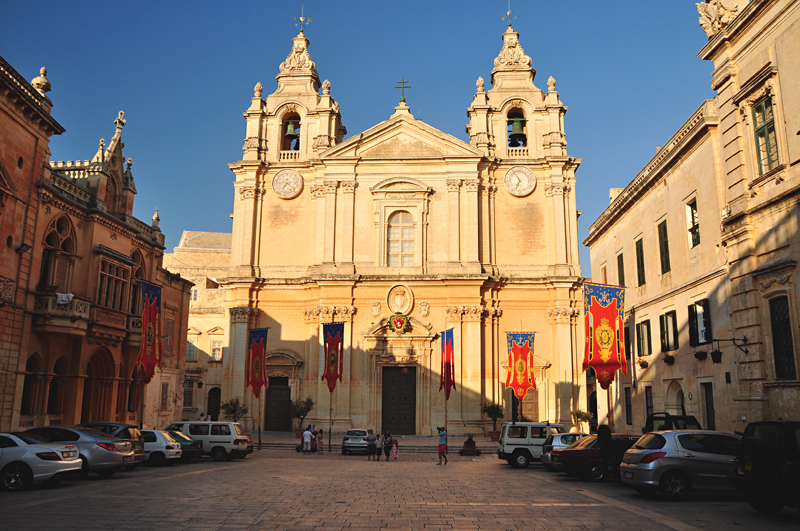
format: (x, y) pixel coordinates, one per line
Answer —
(594, 472)
(84, 473)
(157, 459)
(646, 491)
(17, 476)
(218, 454)
(765, 506)
(105, 474)
(675, 486)
(520, 460)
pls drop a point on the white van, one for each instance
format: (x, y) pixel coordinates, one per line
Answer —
(221, 440)
(521, 442)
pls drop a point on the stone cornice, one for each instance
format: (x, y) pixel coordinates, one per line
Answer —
(698, 123)
(30, 97)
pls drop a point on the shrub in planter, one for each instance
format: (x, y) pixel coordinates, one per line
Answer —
(669, 359)
(581, 416)
(643, 363)
(494, 412)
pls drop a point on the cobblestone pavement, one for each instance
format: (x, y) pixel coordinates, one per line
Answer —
(280, 489)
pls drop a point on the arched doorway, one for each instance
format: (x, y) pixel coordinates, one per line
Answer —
(214, 397)
(55, 399)
(30, 386)
(97, 387)
(278, 405)
(676, 402)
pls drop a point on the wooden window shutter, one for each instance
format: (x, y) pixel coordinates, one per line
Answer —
(706, 320)
(640, 262)
(620, 270)
(649, 340)
(674, 330)
(663, 242)
(662, 321)
(694, 338)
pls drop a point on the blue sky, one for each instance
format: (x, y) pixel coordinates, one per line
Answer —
(184, 72)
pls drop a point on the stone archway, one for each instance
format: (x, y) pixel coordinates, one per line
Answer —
(282, 371)
(97, 387)
(676, 402)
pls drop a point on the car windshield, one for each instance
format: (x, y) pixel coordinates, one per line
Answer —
(559, 429)
(650, 441)
(356, 433)
(93, 432)
(584, 443)
(30, 438)
(239, 430)
(175, 427)
(179, 435)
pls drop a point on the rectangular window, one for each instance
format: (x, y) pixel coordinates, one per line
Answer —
(188, 393)
(164, 395)
(669, 331)
(620, 270)
(190, 351)
(216, 351)
(193, 296)
(628, 407)
(693, 224)
(663, 245)
(112, 288)
(643, 341)
(699, 323)
(766, 142)
(628, 342)
(603, 275)
(648, 400)
(782, 342)
(640, 262)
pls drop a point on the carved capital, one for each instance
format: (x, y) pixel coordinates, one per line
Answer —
(330, 186)
(241, 314)
(563, 315)
(349, 187)
(454, 313)
(473, 185)
(453, 185)
(474, 313)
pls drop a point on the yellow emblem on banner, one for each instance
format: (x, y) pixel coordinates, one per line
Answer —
(604, 336)
(149, 337)
(521, 367)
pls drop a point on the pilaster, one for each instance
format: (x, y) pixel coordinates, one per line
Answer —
(454, 221)
(329, 188)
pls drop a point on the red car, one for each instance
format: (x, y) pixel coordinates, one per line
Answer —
(582, 458)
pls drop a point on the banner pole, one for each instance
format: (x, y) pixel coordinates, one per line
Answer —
(330, 422)
(259, 422)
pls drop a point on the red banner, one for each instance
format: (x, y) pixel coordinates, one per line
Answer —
(333, 334)
(605, 342)
(256, 356)
(150, 350)
(520, 363)
(447, 378)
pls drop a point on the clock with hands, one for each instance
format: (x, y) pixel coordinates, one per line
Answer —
(287, 184)
(519, 181)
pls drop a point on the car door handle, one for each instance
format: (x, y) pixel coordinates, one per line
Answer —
(687, 455)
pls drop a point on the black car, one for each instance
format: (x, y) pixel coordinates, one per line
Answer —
(667, 421)
(123, 431)
(767, 467)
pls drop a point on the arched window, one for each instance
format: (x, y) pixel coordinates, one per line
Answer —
(290, 132)
(55, 399)
(136, 291)
(400, 240)
(30, 386)
(58, 258)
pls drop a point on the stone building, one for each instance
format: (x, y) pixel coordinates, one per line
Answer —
(69, 278)
(480, 237)
(705, 237)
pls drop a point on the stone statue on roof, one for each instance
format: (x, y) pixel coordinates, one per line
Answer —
(716, 14)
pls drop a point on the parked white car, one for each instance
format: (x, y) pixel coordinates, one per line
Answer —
(160, 447)
(26, 458)
(221, 440)
(521, 442)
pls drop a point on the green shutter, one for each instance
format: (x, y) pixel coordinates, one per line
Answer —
(663, 243)
(649, 340)
(707, 320)
(640, 262)
(662, 321)
(694, 336)
(674, 329)
(620, 270)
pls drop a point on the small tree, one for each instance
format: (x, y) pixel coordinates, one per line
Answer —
(301, 409)
(493, 411)
(234, 409)
(581, 416)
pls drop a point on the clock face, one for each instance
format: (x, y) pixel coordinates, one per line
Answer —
(519, 181)
(287, 184)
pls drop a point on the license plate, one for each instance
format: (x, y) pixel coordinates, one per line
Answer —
(748, 466)
(68, 454)
(627, 475)
(127, 459)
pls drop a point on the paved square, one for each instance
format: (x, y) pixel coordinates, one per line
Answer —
(280, 489)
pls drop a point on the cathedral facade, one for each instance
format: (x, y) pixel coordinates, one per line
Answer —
(480, 237)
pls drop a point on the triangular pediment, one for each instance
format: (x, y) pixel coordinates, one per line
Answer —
(192, 331)
(402, 137)
(216, 331)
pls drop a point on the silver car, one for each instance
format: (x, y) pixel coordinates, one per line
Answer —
(354, 441)
(99, 453)
(554, 442)
(26, 458)
(675, 463)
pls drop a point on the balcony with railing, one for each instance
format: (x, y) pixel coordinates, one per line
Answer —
(289, 155)
(58, 313)
(521, 152)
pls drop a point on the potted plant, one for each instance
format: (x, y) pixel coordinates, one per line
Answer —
(494, 412)
(701, 355)
(643, 363)
(300, 410)
(669, 359)
(580, 417)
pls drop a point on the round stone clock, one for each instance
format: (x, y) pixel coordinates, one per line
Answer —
(287, 184)
(519, 181)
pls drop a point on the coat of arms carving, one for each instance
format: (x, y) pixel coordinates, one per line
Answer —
(400, 299)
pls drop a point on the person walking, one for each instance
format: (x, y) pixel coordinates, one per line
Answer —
(379, 449)
(202, 416)
(394, 449)
(372, 440)
(320, 441)
(442, 445)
(388, 444)
(307, 436)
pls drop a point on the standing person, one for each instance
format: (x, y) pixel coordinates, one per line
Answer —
(202, 416)
(388, 444)
(320, 441)
(442, 445)
(371, 442)
(394, 450)
(307, 436)
(379, 449)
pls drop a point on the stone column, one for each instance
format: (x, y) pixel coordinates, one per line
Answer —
(348, 222)
(472, 365)
(330, 223)
(454, 221)
(473, 224)
(341, 405)
(242, 245)
(556, 191)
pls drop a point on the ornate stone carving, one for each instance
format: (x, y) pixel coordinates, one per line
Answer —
(298, 59)
(473, 185)
(559, 314)
(241, 314)
(322, 141)
(716, 14)
(512, 54)
(8, 288)
(311, 315)
(349, 187)
(473, 313)
(454, 312)
(480, 84)
(551, 84)
(247, 193)
(767, 283)
(400, 299)
(478, 139)
(330, 186)
(41, 83)
(375, 308)
(453, 185)
(317, 191)
(424, 308)
(258, 90)
(252, 142)
(326, 88)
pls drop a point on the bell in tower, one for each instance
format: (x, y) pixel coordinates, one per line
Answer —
(291, 134)
(517, 137)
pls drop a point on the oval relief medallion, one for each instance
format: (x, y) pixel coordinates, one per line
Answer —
(400, 299)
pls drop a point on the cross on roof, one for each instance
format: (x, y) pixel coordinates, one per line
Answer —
(302, 21)
(403, 86)
(508, 14)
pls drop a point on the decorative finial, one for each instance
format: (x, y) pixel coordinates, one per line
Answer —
(41, 83)
(480, 84)
(102, 143)
(551, 84)
(120, 121)
(302, 21)
(403, 86)
(326, 88)
(102, 150)
(128, 167)
(508, 14)
(258, 90)
(156, 219)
